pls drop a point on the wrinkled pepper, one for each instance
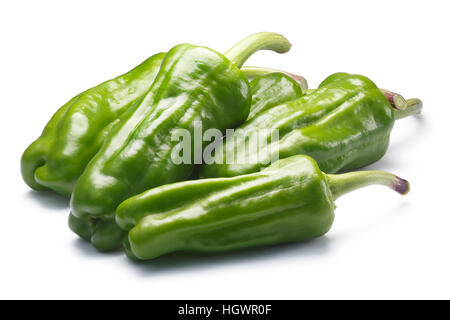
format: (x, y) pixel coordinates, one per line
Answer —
(272, 89)
(344, 124)
(269, 89)
(76, 131)
(195, 85)
(291, 200)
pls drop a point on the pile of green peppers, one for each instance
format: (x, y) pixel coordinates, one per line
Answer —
(110, 150)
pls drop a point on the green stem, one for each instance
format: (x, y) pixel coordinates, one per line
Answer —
(346, 182)
(397, 101)
(258, 41)
(413, 106)
(252, 72)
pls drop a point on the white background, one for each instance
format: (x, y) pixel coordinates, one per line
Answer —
(382, 245)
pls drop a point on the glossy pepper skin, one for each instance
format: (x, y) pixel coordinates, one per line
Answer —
(76, 131)
(344, 124)
(267, 90)
(291, 200)
(195, 85)
(273, 89)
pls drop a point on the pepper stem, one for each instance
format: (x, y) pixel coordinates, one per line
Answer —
(413, 106)
(252, 72)
(258, 41)
(397, 101)
(346, 182)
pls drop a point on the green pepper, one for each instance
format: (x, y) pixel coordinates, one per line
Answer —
(344, 124)
(291, 200)
(269, 90)
(396, 100)
(195, 85)
(76, 131)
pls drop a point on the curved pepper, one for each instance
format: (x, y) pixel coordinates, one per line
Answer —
(344, 124)
(76, 131)
(291, 200)
(195, 85)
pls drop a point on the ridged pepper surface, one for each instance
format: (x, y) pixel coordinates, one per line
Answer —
(194, 85)
(344, 124)
(267, 90)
